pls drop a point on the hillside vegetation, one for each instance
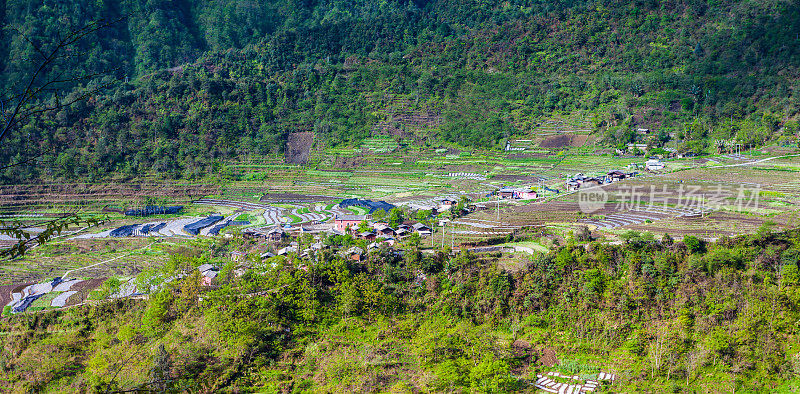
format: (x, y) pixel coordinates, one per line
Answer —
(663, 315)
(194, 83)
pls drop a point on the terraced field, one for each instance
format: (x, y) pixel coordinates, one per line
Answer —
(642, 215)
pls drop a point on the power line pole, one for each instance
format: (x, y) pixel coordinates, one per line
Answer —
(498, 207)
(444, 228)
(452, 239)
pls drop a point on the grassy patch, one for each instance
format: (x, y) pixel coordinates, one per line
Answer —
(245, 218)
(357, 210)
(769, 193)
(332, 174)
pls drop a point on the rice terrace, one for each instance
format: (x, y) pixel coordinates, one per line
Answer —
(417, 196)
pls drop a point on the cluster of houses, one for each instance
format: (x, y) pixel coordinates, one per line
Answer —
(519, 193)
(581, 180)
(377, 233)
(434, 206)
(343, 224)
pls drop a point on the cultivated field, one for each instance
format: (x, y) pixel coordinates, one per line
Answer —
(697, 197)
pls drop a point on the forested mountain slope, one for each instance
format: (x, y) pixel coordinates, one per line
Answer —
(665, 316)
(207, 80)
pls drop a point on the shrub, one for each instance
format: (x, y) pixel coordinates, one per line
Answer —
(492, 376)
(693, 244)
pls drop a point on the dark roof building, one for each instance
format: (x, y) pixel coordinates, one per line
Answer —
(370, 205)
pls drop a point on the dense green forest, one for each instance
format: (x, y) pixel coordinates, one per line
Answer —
(189, 83)
(665, 315)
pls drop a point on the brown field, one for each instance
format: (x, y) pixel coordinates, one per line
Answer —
(298, 147)
(6, 290)
(295, 197)
(713, 226)
(83, 289)
(565, 140)
(81, 194)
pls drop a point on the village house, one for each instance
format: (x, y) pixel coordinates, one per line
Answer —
(448, 202)
(506, 193)
(654, 165)
(422, 229)
(287, 250)
(579, 179)
(384, 230)
(573, 185)
(635, 147)
(208, 273)
(615, 175)
(527, 194)
(275, 234)
(355, 253)
(593, 181)
(237, 256)
(343, 222)
(254, 233)
(368, 235)
(334, 232)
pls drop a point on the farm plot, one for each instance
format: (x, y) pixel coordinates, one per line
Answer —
(54, 258)
(683, 202)
(713, 226)
(242, 205)
(295, 198)
(642, 215)
(304, 215)
(153, 229)
(475, 229)
(83, 289)
(175, 227)
(82, 194)
(31, 295)
(538, 214)
(272, 217)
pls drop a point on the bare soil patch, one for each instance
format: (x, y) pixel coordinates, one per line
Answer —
(298, 147)
(349, 162)
(21, 197)
(513, 178)
(528, 155)
(295, 197)
(6, 290)
(83, 289)
(564, 140)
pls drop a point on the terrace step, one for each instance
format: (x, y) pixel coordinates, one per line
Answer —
(636, 216)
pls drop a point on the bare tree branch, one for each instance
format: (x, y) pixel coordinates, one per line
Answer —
(32, 91)
(16, 106)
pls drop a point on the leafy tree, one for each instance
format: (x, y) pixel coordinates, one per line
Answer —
(379, 214)
(693, 244)
(492, 376)
(395, 217)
